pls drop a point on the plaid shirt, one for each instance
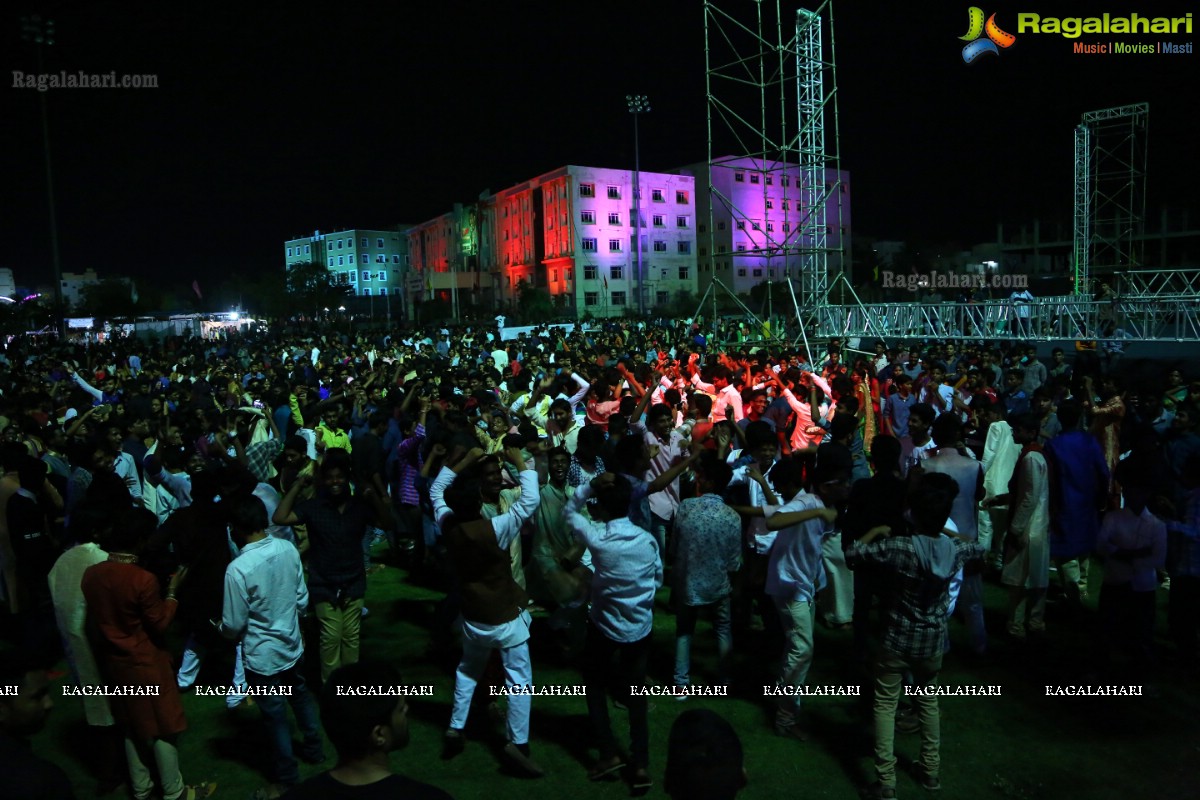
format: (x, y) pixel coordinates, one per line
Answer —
(261, 455)
(918, 602)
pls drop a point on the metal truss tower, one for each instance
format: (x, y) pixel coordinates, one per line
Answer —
(1110, 192)
(772, 102)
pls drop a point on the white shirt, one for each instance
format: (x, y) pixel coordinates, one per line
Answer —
(727, 398)
(763, 538)
(796, 571)
(628, 571)
(265, 595)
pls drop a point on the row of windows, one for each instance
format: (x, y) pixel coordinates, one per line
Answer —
(615, 245)
(307, 250)
(336, 244)
(682, 197)
(614, 298)
(342, 261)
(769, 180)
(591, 272)
(588, 217)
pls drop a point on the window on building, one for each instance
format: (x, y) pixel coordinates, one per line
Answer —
(785, 206)
(770, 226)
(770, 179)
(617, 273)
(381, 275)
(554, 275)
(756, 226)
(341, 260)
(339, 244)
(754, 177)
(614, 193)
(741, 272)
(366, 292)
(721, 248)
(657, 196)
(757, 273)
(591, 298)
(366, 276)
(770, 273)
(587, 190)
(660, 246)
(784, 180)
(741, 248)
(352, 275)
(379, 242)
(685, 273)
(659, 221)
(331, 261)
(382, 291)
(589, 272)
(614, 218)
(588, 245)
(618, 298)
(614, 245)
(363, 242)
(739, 177)
(741, 224)
(380, 258)
(364, 258)
(770, 203)
(682, 221)
(787, 226)
(721, 225)
(682, 197)
(585, 217)
(683, 248)
(662, 298)
(289, 252)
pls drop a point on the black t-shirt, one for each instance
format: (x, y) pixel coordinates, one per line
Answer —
(28, 777)
(392, 787)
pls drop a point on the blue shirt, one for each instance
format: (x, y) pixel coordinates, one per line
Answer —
(708, 538)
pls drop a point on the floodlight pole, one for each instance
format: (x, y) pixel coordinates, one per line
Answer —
(638, 104)
(41, 33)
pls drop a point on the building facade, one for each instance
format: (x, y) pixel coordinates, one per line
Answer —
(758, 230)
(571, 232)
(371, 262)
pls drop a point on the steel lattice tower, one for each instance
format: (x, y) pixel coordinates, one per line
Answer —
(1110, 192)
(773, 100)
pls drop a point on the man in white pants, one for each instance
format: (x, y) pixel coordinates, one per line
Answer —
(493, 603)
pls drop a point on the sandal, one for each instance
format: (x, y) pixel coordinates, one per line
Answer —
(606, 769)
(199, 791)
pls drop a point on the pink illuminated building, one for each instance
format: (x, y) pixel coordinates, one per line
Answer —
(759, 223)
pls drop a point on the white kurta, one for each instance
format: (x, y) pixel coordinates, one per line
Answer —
(1030, 506)
(70, 612)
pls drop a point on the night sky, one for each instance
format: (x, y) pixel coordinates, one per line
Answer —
(272, 120)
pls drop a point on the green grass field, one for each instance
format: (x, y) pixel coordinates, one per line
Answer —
(1021, 745)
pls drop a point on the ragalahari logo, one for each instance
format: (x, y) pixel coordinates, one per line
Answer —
(976, 27)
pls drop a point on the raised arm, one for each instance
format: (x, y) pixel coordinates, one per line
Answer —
(508, 525)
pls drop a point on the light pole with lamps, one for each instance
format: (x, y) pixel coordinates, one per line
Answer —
(638, 104)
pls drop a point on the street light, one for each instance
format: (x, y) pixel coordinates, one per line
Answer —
(638, 104)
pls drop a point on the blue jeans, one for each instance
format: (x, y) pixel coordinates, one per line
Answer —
(274, 711)
(685, 627)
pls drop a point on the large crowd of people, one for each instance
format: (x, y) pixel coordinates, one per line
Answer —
(233, 491)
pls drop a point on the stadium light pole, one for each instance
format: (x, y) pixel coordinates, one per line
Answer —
(638, 104)
(40, 32)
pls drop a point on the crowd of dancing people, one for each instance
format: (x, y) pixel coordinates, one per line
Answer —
(241, 491)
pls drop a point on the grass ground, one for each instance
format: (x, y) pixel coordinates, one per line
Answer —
(1019, 746)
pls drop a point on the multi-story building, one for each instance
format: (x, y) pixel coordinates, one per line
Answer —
(372, 262)
(571, 232)
(758, 226)
(73, 284)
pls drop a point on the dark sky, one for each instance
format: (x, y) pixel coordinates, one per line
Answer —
(274, 119)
